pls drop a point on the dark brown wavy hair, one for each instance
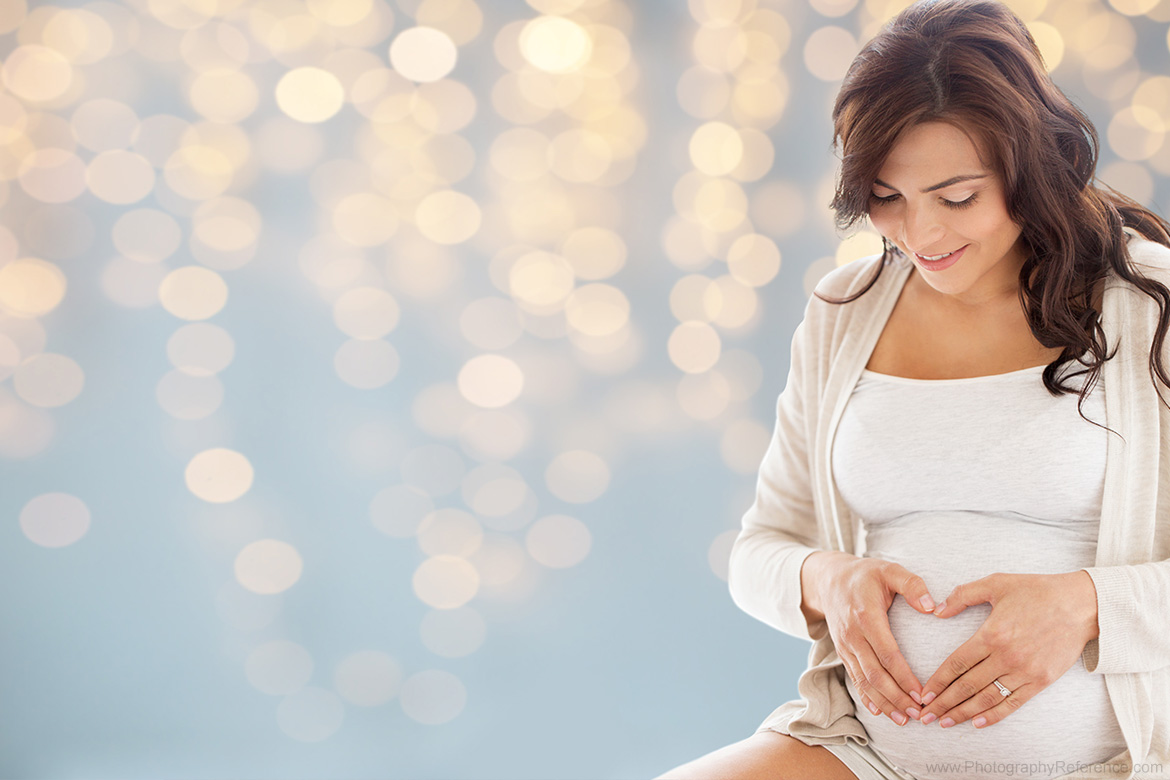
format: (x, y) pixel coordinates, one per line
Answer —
(973, 63)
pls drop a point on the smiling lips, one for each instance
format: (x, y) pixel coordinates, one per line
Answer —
(940, 262)
(933, 258)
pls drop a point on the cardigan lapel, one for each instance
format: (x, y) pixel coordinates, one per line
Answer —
(1132, 408)
(1131, 489)
(858, 334)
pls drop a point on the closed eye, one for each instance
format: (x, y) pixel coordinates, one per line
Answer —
(959, 204)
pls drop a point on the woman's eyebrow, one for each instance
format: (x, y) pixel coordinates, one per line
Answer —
(941, 184)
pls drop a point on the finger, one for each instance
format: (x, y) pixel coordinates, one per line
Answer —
(949, 686)
(876, 629)
(849, 661)
(911, 586)
(885, 649)
(1006, 706)
(988, 699)
(883, 689)
(869, 705)
(968, 594)
(863, 687)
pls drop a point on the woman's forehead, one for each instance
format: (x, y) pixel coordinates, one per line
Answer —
(935, 150)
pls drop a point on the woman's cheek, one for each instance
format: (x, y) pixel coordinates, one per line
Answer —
(884, 225)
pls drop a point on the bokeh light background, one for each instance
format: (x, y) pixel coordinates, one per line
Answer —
(382, 381)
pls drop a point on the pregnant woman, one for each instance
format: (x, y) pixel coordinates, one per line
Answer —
(966, 502)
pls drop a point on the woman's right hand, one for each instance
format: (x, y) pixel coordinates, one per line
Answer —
(854, 594)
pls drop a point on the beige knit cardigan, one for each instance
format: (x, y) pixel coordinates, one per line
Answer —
(798, 510)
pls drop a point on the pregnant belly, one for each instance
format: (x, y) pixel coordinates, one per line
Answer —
(1040, 739)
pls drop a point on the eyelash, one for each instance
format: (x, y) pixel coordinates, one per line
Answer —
(962, 204)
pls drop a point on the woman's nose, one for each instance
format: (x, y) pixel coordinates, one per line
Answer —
(921, 229)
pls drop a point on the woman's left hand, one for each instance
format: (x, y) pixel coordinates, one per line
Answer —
(1038, 627)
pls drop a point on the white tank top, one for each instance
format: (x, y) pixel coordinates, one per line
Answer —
(956, 479)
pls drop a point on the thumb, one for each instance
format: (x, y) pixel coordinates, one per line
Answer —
(912, 587)
(965, 595)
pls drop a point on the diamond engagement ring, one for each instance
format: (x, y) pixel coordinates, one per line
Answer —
(1002, 690)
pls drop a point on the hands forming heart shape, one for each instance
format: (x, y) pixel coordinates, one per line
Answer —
(1038, 627)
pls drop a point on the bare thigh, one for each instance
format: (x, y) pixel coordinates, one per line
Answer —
(766, 755)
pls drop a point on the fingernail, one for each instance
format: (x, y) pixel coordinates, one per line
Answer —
(912, 712)
(980, 722)
(928, 698)
(874, 709)
(941, 606)
(900, 718)
(915, 697)
(928, 718)
(946, 723)
(927, 603)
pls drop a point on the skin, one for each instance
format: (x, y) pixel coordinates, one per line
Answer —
(766, 755)
(1039, 624)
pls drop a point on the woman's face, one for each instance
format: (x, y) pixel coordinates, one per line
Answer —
(937, 202)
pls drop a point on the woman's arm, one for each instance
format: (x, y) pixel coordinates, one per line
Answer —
(811, 573)
(780, 529)
(1133, 618)
(779, 575)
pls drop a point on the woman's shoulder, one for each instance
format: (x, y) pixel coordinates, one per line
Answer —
(1152, 258)
(847, 279)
